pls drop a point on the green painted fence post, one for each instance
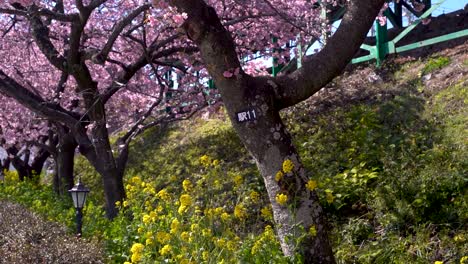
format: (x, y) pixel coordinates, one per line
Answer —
(381, 42)
(275, 68)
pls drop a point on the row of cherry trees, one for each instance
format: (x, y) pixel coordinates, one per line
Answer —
(80, 71)
(83, 69)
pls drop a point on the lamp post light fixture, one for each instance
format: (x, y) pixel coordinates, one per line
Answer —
(78, 194)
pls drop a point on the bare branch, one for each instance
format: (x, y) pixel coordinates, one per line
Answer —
(118, 28)
(322, 67)
(42, 12)
(11, 88)
(41, 35)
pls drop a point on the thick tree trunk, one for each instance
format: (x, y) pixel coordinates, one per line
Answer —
(103, 161)
(64, 163)
(101, 157)
(112, 177)
(38, 162)
(113, 190)
(4, 166)
(262, 98)
(269, 142)
(22, 166)
(18, 164)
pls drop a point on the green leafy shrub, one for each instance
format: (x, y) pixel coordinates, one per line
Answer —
(434, 64)
(390, 171)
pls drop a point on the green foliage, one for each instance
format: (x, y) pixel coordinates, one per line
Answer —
(397, 170)
(158, 153)
(434, 64)
(391, 173)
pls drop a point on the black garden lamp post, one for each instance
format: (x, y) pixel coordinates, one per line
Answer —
(78, 193)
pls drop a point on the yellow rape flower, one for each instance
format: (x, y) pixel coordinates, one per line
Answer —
(281, 198)
(279, 175)
(182, 209)
(220, 242)
(225, 216)
(438, 262)
(125, 203)
(149, 234)
(459, 238)
(187, 185)
(217, 184)
(329, 196)
(288, 166)
(311, 185)
(205, 160)
(165, 250)
(135, 180)
(162, 237)
(136, 250)
(269, 233)
(149, 189)
(185, 200)
(209, 212)
(174, 226)
(153, 215)
(206, 232)
(240, 211)
(146, 219)
(148, 205)
(313, 231)
(464, 260)
(219, 210)
(185, 236)
(266, 212)
(164, 195)
(149, 241)
(238, 180)
(205, 255)
(254, 196)
(215, 162)
(194, 227)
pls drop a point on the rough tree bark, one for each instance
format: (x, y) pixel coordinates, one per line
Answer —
(4, 165)
(88, 126)
(266, 138)
(23, 166)
(64, 162)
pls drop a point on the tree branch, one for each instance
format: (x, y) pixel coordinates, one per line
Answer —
(12, 89)
(322, 67)
(118, 28)
(214, 41)
(42, 12)
(41, 34)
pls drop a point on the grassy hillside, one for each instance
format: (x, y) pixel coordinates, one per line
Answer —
(387, 148)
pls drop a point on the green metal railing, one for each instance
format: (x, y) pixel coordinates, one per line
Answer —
(383, 47)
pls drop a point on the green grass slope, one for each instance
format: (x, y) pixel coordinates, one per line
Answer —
(387, 148)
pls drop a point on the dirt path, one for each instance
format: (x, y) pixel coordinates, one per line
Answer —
(27, 238)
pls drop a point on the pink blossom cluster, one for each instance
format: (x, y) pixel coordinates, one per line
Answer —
(252, 24)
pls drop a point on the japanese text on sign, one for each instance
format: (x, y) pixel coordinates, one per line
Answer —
(245, 116)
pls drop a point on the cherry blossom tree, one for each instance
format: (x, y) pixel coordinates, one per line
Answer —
(265, 136)
(91, 68)
(112, 56)
(21, 134)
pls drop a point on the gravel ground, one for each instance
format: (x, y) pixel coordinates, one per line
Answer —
(27, 238)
